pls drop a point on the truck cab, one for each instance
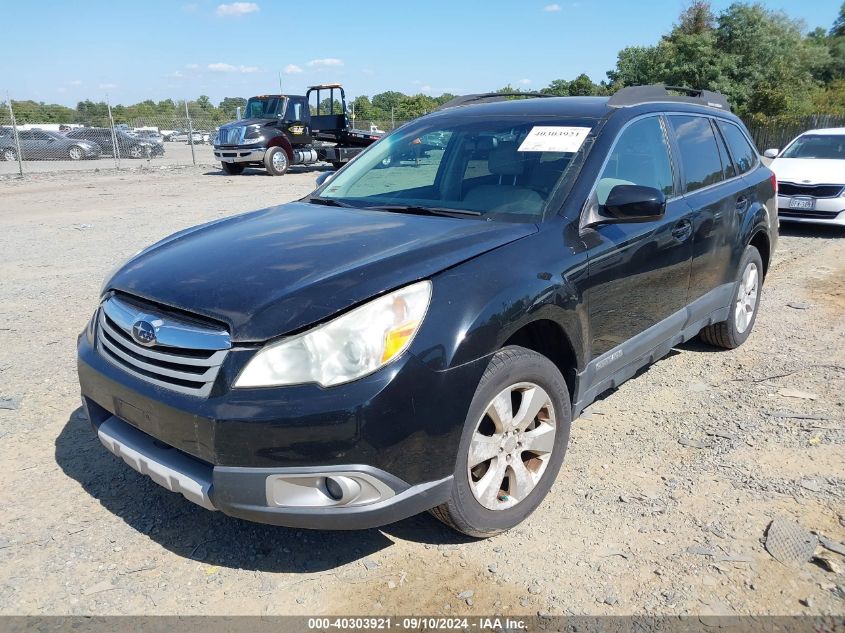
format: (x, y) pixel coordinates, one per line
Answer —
(278, 131)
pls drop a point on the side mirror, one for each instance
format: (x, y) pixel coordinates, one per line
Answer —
(324, 177)
(771, 153)
(633, 203)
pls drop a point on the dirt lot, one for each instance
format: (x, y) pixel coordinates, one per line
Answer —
(661, 508)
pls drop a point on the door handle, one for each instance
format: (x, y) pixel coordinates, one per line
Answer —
(682, 230)
(741, 204)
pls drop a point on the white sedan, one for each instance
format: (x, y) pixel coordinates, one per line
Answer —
(811, 177)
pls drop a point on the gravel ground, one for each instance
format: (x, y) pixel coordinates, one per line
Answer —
(661, 507)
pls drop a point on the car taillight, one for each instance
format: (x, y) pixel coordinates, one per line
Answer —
(774, 180)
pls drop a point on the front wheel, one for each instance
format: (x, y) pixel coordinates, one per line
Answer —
(276, 161)
(513, 444)
(732, 332)
(76, 153)
(233, 169)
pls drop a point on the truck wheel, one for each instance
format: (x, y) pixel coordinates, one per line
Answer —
(276, 161)
(233, 169)
(513, 444)
(732, 332)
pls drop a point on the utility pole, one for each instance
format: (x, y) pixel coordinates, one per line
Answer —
(280, 84)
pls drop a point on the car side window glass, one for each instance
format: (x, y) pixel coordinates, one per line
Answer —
(294, 111)
(639, 157)
(728, 168)
(699, 152)
(744, 154)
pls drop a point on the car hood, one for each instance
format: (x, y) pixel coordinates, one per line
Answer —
(809, 171)
(278, 270)
(249, 122)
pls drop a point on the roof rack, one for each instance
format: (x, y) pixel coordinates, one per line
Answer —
(488, 97)
(635, 95)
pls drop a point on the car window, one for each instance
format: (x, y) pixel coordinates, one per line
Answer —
(639, 157)
(745, 156)
(728, 168)
(294, 111)
(699, 152)
(825, 146)
(503, 168)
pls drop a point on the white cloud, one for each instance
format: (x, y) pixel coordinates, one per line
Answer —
(291, 69)
(236, 9)
(425, 88)
(524, 82)
(75, 82)
(107, 86)
(551, 8)
(220, 67)
(326, 61)
(175, 75)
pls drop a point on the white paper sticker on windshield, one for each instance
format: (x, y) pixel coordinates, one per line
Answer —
(544, 138)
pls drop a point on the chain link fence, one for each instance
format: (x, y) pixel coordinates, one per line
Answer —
(101, 137)
(102, 142)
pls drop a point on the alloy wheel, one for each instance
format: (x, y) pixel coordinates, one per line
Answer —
(75, 153)
(10, 155)
(746, 297)
(511, 446)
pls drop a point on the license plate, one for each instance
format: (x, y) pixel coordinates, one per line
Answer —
(806, 204)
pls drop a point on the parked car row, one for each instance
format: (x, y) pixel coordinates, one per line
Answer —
(79, 144)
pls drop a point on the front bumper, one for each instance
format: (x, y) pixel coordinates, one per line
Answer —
(401, 425)
(239, 154)
(825, 211)
(247, 493)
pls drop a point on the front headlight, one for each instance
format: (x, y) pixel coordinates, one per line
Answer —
(253, 141)
(347, 347)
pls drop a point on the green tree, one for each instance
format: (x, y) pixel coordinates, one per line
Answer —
(557, 87)
(838, 28)
(229, 106)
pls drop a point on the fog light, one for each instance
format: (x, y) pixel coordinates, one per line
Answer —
(334, 489)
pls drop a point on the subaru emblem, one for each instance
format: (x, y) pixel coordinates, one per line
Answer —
(144, 333)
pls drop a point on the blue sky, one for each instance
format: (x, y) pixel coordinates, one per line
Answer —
(62, 52)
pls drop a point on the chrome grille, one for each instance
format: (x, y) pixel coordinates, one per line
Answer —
(232, 135)
(185, 357)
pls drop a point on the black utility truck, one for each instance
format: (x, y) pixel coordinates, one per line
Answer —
(278, 131)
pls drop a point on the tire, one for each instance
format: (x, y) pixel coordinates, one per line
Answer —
(482, 510)
(233, 169)
(76, 153)
(745, 303)
(136, 151)
(9, 154)
(276, 161)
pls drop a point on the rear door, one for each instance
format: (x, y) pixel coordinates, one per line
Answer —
(716, 196)
(638, 273)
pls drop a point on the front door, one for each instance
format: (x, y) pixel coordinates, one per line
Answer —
(638, 273)
(298, 121)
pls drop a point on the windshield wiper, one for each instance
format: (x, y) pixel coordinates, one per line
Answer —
(329, 202)
(411, 208)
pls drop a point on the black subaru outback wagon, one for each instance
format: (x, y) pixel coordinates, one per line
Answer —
(419, 334)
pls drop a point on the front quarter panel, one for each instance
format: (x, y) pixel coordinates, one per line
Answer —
(478, 305)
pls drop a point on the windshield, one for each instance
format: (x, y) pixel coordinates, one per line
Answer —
(830, 146)
(496, 167)
(263, 107)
